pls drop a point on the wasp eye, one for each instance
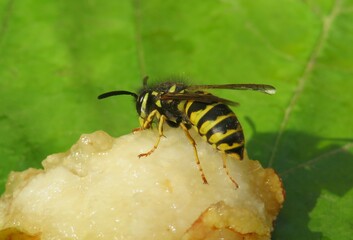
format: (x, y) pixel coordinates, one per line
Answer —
(141, 105)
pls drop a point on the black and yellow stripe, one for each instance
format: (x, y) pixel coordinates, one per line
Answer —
(218, 125)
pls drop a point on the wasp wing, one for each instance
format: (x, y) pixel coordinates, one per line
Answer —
(198, 97)
(256, 87)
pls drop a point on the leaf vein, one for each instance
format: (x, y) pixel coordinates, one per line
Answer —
(138, 38)
(317, 159)
(5, 19)
(327, 23)
(255, 31)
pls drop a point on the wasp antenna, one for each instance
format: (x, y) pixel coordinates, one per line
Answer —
(144, 81)
(115, 93)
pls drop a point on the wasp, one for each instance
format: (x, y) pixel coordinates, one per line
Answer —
(190, 106)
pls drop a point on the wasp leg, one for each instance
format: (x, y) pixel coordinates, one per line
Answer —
(193, 143)
(135, 130)
(146, 123)
(224, 156)
(160, 130)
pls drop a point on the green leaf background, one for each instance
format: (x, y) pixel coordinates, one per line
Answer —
(57, 56)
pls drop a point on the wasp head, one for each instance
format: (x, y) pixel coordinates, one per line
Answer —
(145, 104)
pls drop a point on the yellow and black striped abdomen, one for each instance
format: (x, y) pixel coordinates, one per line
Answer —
(218, 125)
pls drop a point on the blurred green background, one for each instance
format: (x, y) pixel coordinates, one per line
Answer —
(56, 57)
